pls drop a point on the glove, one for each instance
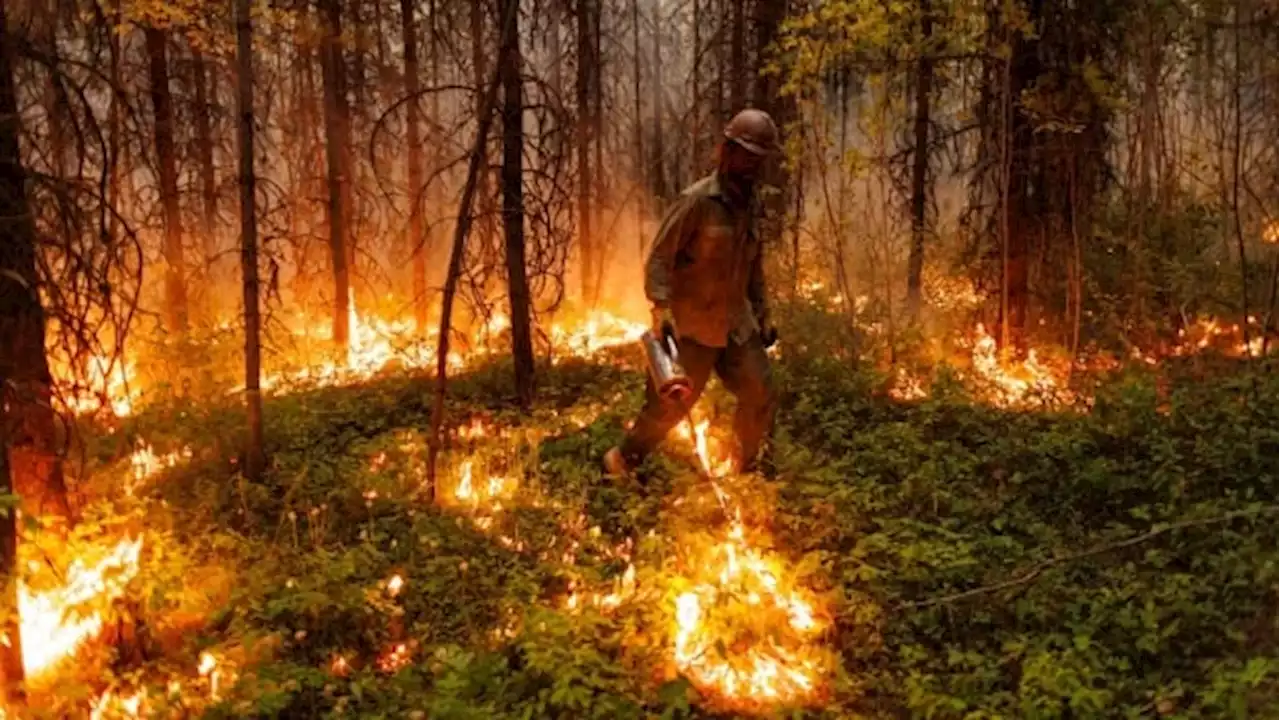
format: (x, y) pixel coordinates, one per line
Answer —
(664, 323)
(769, 336)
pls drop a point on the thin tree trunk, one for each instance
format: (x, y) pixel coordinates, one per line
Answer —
(162, 105)
(513, 206)
(695, 140)
(1237, 149)
(638, 139)
(249, 242)
(460, 230)
(413, 141)
(557, 82)
(335, 118)
(583, 86)
(204, 151)
(738, 58)
(599, 244)
(920, 162)
(718, 115)
(486, 227)
(114, 144)
(659, 152)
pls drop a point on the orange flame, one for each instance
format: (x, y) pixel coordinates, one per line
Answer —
(773, 661)
(50, 631)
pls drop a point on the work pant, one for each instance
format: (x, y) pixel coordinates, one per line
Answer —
(744, 370)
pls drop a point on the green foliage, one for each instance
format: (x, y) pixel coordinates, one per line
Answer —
(884, 507)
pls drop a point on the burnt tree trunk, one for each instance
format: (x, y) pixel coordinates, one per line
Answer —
(738, 58)
(413, 142)
(513, 206)
(599, 245)
(175, 286)
(249, 241)
(22, 360)
(583, 86)
(638, 139)
(204, 151)
(1018, 219)
(920, 162)
(336, 116)
(659, 150)
(460, 231)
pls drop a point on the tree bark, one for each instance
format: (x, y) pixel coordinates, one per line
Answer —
(586, 238)
(659, 151)
(920, 162)
(413, 141)
(336, 116)
(738, 58)
(460, 230)
(249, 242)
(204, 151)
(639, 163)
(22, 358)
(599, 244)
(162, 105)
(513, 206)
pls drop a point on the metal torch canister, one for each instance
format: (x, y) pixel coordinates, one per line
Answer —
(663, 356)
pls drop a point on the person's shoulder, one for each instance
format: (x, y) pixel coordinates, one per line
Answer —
(705, 187)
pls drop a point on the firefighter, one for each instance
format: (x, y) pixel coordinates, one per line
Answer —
(705, 280)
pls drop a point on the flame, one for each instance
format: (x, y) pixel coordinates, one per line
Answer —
(93, 385)
(771, 658)
(463, 491)
(145, 463)
(906, 386)
(50, 631)
(111, 705)
(397, 657)
(1271, 233)
(1011, 384)
(394, 585)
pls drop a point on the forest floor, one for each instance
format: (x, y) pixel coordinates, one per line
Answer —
(938, 558)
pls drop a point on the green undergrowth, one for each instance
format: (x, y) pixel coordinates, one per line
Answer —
(977, 562)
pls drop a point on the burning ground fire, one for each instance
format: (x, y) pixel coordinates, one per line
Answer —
(101, 384)
(745, 630)
(55, 622)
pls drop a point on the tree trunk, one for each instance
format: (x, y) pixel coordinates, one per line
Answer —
(336, 153)
(599, 244)
(920, 162)
(738, 58)
(486, 227)
(23, 366)
(175, 285)
(659, 152)
(114, 140)
(460, 230)
(413, 141)
(718, 115)
(249, 242)
(1017, 211)
(586, 239)
(513, 206)
(639, 163)
(204, 151)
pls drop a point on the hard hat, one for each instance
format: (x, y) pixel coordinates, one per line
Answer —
(754, 130)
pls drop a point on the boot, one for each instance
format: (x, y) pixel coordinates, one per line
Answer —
(615, 465)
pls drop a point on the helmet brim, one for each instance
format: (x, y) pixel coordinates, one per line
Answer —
(754, 148)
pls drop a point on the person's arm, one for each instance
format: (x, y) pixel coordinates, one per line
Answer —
(677, 227)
